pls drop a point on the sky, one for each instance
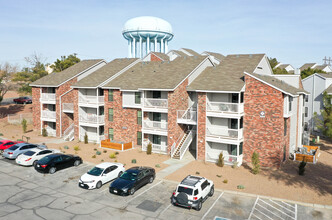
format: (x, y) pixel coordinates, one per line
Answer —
(295, 32)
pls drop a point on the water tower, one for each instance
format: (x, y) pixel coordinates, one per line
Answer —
(145, 34)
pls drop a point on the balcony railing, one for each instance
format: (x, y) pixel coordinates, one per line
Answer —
(47, 97)
(90, 99)
(155, 125)
(92, 118)
(221, 132)
(228, 159)
(155, 103)
(68, 107)
(48, 114)
(156, 148)
(92, 137)
(187, 116)
(51, 132)
(225, 107)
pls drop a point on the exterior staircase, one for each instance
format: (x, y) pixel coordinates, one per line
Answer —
(181, 146)
(68, 134)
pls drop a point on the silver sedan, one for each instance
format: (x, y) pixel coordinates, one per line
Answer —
(18, 149)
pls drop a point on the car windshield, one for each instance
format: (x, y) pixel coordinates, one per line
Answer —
(96, 171)
(29, 153)
(46, 159)
(13, 147)
(186, 190)
(129, 176)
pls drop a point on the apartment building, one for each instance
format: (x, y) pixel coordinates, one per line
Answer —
(209, 104)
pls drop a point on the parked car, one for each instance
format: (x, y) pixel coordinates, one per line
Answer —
(131, 180)
(101, 174)
(31, 157)
(23, 100)
(14, 151)
(52, 163)
(192, 192)
(5, 144)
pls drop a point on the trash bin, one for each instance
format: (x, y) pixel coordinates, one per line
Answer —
(313, 140)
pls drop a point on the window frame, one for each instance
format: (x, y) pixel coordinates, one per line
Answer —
(138, 98)
(139, 117)
(139, 138)
(110, 133)
(110, 95)
(110, 114)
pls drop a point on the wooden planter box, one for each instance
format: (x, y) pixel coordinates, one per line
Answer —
(306, 157)
(116, 146)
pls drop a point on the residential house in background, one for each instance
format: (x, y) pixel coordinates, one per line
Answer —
(289, 68)
(323, 67)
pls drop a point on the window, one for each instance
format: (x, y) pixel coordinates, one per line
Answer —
(45, 152)
(233, 150)
(156, 94)
(137, 98)
(240, 148)
(156, 139)
(285, 127)
(241, 122)
(306, 98)
(235, 97)
(196, 192)
(110, 114)
(290, 101)
(110, 133)
(234, 124)
(110, 95)
(242, 97)
(139, 117)
(306, 111)
(204, 185)
(156, 116)
(139, 138)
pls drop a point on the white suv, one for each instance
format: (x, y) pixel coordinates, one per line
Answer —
(192, 192)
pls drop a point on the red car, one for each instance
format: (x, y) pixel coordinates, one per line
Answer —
(5, 144)
(23, 100)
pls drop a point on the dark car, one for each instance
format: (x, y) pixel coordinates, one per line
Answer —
(131, 180)
(54, 162)
(23, 100)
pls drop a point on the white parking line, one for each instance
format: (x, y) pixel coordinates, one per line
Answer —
(295, 212)
(264, 214)
(280, 205)
(143, 192)
(268, 211)
(253, 208)
(206, 213)
(277, 209)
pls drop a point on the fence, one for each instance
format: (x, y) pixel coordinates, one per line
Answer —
(17, 118)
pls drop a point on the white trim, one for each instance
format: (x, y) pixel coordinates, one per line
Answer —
(267, 60)
(40, 86)
(271, 85)
(206, 53)
(214, 91)
(156, 89)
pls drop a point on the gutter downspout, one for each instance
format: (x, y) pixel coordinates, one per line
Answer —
(61, 110)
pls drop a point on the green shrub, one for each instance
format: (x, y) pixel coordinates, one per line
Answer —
(302, 168)
(116, 153)
(240, 186)
(105, 151)
(225, 181)
(95, 149)
(112, 156)
(66, 147)
(86, 138)
(1, 134)
(255, 163)
(197, 173)
(149, 149)
(220, 162)
(102, 160)
(94, 156)
(44, 132)
(235, 165)
(19, 140)
(115, 161)
(133, 161)
(98, 152)
(157, 165)
(219, 176)
(24, 124)
(77, 148)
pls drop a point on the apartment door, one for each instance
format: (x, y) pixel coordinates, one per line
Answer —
(235, 98)
(156, 94)
(156, 117)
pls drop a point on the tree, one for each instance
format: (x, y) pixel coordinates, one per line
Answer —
(273, 62)
(65, 62)
(308, 72)
(324, 123)
(6, 72)
(255, 163)
(24, 124)
(30, 74)
(280, 71)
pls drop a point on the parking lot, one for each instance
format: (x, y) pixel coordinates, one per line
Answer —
(26, 194)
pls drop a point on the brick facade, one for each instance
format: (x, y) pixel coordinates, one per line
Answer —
(201, 125)
(177, 100)
(154, 58)
(124, 122)
(36, 108)
(76, 123)
(264, 135)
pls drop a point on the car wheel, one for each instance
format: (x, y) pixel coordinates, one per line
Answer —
(199, 206)
(98, 185)
(151, 179)
(34, 163)
(120, 173)
(52, 170)
(76, 163)
(211, 191)
(132, 191)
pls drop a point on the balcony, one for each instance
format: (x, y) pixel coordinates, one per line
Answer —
(156, 148)
(48, 98)
(223, 135)
(47, 115)
(222, 109)
(228, 159)
(155, 127)
(90, 100)
(92, 137)
(51, 132)
(68, 107)
(155, 105)
(91, 119)
(187, 117)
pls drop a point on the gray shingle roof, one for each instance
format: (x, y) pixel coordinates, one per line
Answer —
(321, 67)
(228, 75)
(156, 75)
(192, 52)
(325, 75)
(306, 66)
(104, 73)
(56, 79)
(281, 85)
(218, 56)
(281, 66)
(180, 53)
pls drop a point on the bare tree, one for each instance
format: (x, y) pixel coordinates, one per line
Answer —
(6, 72)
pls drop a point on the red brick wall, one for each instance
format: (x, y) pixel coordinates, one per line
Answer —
(76, 125)
(36, 111)
(154, 58)
(177, 100)
(264, 135)
(124, 122)
(68, 98)
(201, 125)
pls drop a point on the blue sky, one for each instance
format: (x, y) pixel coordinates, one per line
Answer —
(295, 32)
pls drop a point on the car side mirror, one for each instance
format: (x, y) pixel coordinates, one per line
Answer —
(209, 184)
